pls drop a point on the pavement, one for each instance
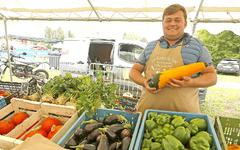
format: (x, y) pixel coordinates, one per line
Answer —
(232, 85)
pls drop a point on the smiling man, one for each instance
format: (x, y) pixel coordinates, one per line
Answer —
(175, 48)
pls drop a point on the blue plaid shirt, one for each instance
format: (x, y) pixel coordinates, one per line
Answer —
(192, 51)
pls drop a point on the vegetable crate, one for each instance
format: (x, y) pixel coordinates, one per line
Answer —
(126, 103)
(13, 87)
(134, 119)
(2, 102)
(8, 143)
(19, 105)
(188, 117)
(228, 130)
(66, 114)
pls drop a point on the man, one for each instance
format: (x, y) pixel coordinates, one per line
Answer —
(174, 49)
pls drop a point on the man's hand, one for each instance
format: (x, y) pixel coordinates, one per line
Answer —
(150, 89)
(184, 82)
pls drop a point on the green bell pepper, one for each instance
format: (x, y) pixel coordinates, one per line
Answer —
(171, 143)
(200, 123)
(178, 121)
(182, 134)
(199, 143)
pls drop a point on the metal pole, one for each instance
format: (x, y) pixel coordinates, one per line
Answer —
(7, 48)
(196, 16)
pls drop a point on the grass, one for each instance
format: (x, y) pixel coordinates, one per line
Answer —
(223, 101)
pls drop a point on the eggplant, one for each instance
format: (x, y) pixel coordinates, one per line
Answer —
(92, 126)
(117, 128)
(111, 135)
(93, 135)
(71, 142)
(83, 142)
(115, 146)
(125, 143)
(103, 144)
(85, 147)
(98, 138)
(126, 133)
(79, 134)
(113, 119)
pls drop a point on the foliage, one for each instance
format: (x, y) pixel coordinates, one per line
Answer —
(223, 45)
(57, 34)
(86, 92)
(133, 36)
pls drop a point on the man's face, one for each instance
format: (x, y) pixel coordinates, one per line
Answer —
(174, 25)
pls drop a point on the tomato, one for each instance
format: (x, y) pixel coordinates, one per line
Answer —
(19, 117)
(53, 131)
(6, 126)
(49, 122)
(33, 132)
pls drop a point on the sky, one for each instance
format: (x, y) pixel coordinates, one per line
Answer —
(151, 30)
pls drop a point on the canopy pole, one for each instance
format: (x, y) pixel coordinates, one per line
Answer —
(196, 17)
(99, 18)
(7, 47)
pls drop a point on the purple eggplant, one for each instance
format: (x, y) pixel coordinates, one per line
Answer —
(103, 144)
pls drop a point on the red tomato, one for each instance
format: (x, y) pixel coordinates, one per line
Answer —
(53, 131)
(6, 126)
(49, 122)
(19, 117)
(33, 132)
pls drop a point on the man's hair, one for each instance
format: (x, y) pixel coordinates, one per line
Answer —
(173, 9)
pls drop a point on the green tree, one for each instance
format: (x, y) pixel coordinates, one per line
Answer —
(54, 34)
(70, 34)
(133, 36)
(223, 45)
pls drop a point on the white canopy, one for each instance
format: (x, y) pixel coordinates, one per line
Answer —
(118, 10)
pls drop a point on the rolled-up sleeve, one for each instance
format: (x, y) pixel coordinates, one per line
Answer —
(205, 56)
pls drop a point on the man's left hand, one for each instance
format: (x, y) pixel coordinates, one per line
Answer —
(184, 82)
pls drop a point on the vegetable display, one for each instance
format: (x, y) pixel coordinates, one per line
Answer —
(112, 133)
(86, 92)
(161, 79)
(173, 132)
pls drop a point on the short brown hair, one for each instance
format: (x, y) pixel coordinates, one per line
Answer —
(173, 9)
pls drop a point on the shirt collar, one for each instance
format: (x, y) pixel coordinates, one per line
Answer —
(185, 39)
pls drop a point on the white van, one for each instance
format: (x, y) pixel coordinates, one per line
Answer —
(78, 54)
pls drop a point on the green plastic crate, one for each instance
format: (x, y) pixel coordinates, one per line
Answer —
(228, 130)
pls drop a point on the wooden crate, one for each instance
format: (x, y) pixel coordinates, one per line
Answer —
(66, 114)
(17, 105)
(7, 143)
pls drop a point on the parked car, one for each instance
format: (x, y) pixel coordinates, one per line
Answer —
(78, 54)
(229, 65)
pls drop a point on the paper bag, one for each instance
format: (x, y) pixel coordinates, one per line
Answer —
(38, 142)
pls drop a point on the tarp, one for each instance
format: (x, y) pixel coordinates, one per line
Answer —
(117, 10)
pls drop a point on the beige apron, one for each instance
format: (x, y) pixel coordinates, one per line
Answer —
(172, 99)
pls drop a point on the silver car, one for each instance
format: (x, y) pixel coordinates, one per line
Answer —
(231, 66)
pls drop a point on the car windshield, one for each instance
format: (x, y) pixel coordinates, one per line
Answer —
(229, 62)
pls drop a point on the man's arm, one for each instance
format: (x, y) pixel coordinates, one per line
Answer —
(136, 74)
(206, 79)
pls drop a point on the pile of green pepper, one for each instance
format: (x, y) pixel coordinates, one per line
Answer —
(173, 132)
